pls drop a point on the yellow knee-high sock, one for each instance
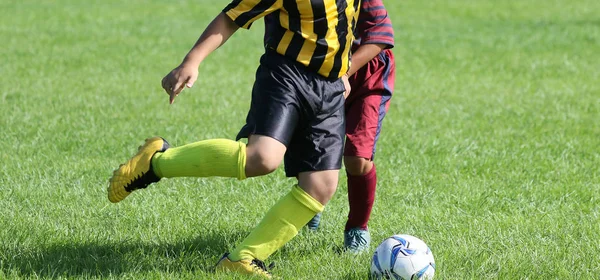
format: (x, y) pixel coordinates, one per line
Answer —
(280, 225)
(215, 157)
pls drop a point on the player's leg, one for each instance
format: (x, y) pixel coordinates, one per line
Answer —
(214, 157)
(283, 221)
(314, 156)
(221, 157)
(357, 166)
(315, 188)
(364, 122)
(362, 128)
(263, 155)
(155, 160)
(362, 183)
(321, 185)
(267, 139)
(218, 157)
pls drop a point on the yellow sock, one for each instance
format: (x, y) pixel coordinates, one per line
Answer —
(216, 157)
(280, 225)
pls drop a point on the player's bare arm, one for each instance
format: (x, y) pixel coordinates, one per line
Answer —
(363, 55)
(347, 86)
(360, 58)
(215, 35)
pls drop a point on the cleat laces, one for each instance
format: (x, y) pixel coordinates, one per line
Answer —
(357, 240)
(260, 265)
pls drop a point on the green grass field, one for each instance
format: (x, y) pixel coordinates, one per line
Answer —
(489, 153)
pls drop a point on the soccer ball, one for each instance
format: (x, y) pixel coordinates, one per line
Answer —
(404, 257)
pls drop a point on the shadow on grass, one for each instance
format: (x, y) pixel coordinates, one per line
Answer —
(113, 259)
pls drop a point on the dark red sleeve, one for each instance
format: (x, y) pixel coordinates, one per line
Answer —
(374, 26)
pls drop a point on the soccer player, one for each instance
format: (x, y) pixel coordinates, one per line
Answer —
(372, 81)
(296, 115)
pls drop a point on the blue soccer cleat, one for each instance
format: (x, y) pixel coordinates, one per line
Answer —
(313, 224)
(357, 240)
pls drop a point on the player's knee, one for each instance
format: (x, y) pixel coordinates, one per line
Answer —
(263, 155)
(357, 166)
(326, 192)
(321, 185)
(322, 192)
(260, 163)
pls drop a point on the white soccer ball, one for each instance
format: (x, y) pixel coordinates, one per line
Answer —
(404, 257)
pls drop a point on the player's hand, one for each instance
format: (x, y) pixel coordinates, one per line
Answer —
(181, 77)
(346, 85)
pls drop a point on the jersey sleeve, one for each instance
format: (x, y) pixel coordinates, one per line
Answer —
(245, 12)
(374, 25)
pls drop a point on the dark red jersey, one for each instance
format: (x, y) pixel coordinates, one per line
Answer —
(374, 25)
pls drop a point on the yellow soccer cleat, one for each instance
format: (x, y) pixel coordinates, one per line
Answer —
(248, 267)
(137, 173)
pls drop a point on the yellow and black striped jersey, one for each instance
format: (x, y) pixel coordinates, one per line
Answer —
(316, 33)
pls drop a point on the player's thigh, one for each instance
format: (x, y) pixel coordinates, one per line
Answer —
(274, 109)
(318, 145)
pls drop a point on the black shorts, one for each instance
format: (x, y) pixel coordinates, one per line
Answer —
(301, 109)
